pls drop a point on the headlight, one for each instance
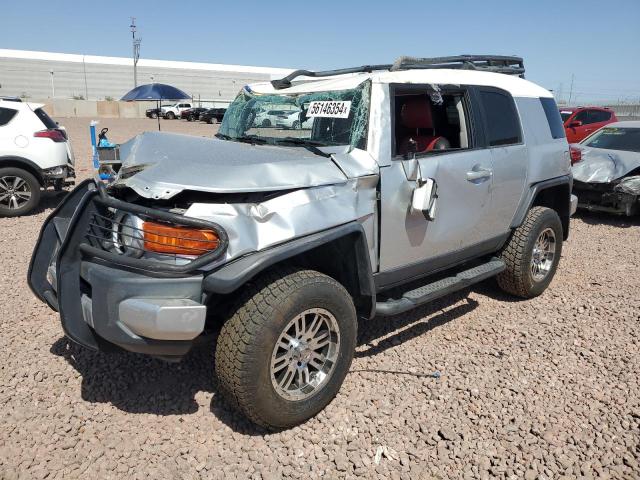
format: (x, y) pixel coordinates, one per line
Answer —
(128, 235)
(133, 236)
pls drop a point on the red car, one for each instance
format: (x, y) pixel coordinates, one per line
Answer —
(580, 122)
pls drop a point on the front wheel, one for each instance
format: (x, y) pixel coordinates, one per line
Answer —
(532, 254)
(284, 353)
(171, 116)
(19, 192)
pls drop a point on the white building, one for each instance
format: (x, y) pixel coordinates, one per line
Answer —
(45, 75)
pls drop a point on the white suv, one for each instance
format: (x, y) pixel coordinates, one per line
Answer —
(173, 111)
(34, 153)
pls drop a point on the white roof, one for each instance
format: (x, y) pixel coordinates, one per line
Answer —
(515, 85)
(20, 105)
(68, 57)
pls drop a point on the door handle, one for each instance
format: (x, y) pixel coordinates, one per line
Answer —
(480, 174)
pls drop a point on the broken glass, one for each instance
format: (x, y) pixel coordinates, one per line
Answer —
(339, 117)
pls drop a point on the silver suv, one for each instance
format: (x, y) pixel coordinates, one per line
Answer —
(406, 182)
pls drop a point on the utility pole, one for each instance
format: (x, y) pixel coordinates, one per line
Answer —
(136, 50)
(571, 89)
(53, 87)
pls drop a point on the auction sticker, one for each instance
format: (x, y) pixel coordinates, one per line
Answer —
(329, 109)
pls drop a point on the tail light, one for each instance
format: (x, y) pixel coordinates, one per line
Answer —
(575, 153)
(164, 238)
(52, 134)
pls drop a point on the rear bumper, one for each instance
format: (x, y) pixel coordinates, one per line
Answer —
(107, 306)
(61, 172)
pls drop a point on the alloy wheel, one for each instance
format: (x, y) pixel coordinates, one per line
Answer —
(305, 354)
(15, 192)
(544, 252)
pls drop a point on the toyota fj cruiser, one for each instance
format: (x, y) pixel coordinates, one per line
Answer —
(415, 179)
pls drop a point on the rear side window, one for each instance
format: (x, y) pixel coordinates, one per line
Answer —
(45, 119)
(553, 117)
(600, 116)
(501, 119)
(6, 115)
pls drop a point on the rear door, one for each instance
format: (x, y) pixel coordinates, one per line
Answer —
(599, 119)
(8, 131)
(588, 118)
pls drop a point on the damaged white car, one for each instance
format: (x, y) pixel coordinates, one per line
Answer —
(606, 169)
(413, 180)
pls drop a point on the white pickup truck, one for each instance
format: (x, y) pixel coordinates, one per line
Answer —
(172, 112)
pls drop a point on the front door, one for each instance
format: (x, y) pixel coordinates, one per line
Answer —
(462, 172)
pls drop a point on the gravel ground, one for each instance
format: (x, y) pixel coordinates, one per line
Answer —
(546, 388)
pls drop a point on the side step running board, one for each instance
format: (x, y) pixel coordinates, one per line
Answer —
(440, 288)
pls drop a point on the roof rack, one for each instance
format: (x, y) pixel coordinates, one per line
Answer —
(10, 99)
(487, 63)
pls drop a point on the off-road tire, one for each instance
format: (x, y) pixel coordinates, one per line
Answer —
(517, 279)
(247, 339)
(34, 188)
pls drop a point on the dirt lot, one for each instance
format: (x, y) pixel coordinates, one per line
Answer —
(546, 388)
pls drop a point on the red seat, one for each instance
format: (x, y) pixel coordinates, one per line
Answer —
(416, 114)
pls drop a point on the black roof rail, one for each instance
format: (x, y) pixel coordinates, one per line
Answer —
(488, 63)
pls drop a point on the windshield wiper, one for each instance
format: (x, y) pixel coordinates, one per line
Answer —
(252, 139)
(310, 145)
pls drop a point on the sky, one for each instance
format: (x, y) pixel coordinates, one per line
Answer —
(596, 43)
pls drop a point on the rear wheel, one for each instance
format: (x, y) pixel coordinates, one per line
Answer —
(532, 254)
(154, 115)
(296, 125)
(266, 122)
(19, 192)
(283, 355)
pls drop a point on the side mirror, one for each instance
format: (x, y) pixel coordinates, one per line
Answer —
(575, 123)
(424, 198)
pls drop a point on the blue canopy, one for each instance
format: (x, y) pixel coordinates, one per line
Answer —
(154, 91)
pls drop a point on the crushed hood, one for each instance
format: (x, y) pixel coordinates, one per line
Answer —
(600, 165)
(168, 163)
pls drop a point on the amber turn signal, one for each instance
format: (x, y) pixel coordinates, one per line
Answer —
(164, 238)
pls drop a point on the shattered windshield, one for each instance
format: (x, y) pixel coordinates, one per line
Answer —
(614, 138)
(338, 117)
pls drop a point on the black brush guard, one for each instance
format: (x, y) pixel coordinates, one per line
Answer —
(63, 242)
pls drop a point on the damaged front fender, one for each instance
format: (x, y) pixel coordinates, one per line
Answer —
(253, 227)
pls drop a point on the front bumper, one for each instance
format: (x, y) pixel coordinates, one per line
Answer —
(106, 305)
(603, 197)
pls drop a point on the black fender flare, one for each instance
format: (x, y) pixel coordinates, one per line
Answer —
(532, 193)
(28, 165)
(233, 275)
